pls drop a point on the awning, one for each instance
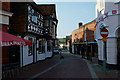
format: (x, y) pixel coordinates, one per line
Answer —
(86, 43)
(7, 39)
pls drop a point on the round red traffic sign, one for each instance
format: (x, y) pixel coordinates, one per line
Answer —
(104, 32)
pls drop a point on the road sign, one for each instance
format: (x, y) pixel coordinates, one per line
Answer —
(104, 39)
(104, 32)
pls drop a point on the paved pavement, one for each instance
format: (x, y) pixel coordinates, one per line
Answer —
(106, 74)
(71, 67)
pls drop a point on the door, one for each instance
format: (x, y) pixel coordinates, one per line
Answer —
(14, 54)
(118, 49)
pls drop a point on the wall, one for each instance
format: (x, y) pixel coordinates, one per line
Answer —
(6, 5)
(79, 33)
(112, 51)
(4, 24)
(42, 56)
(112, 21)
(19, 18)
(24, 55)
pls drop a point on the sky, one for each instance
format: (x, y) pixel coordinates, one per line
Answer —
(69, 14)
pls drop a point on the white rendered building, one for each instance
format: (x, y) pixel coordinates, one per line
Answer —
(108, 15)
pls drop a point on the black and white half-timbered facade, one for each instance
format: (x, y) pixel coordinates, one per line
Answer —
(35, 23)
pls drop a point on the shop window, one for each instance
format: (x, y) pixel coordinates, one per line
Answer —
(49, 46)
(43, 46)
(30, 48)
(40, 46)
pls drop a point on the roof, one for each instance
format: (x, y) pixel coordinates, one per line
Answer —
(85, 25)
(47, 9)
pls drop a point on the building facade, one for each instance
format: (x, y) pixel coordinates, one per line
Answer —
(38, 24)
(69, 43)
(83, 42)
(108, 16)
(5, 14)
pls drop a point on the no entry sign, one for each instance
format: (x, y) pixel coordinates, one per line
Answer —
(104, 32)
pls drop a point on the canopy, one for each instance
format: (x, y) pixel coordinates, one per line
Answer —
(7, 39)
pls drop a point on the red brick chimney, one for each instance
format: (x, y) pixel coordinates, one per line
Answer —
(79, 24)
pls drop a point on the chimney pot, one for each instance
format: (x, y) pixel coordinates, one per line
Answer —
(80, 24)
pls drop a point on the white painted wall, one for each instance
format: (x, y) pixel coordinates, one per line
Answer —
(72, 48)
(112, 21)
(48, 54)
(100, 50)
(112, 51)
(26, 59)
(42, 56)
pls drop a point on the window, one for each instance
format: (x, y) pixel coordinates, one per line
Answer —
(46, 23)
(34, 19)
(30, 48)
(49, 46)
(43, 46)
(40, 46)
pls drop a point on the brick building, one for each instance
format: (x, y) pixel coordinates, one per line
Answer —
(69, 43)
(83, 42)
(4, 25)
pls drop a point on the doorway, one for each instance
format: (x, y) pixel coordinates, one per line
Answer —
(14, 54)
(118, 47)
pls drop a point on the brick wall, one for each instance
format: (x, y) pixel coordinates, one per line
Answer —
(79, 33)
(6, 6)
(4, 27)
(17, 21)
(5, 50)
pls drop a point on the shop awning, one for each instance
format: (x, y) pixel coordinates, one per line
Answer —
(7, 39)
(86, 43)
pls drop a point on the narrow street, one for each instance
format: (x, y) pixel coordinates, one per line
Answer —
(71, 66)
(60, 39)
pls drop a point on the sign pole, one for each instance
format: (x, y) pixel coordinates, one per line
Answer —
(104, 33)
(104, 62)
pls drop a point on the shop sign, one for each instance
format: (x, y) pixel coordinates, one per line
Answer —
(103, 25)
(106, 14)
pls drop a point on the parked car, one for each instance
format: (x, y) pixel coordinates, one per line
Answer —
(56, 51)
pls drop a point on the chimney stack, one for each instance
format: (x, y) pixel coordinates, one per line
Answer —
(80, 24)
